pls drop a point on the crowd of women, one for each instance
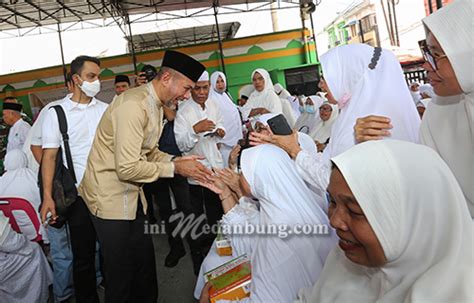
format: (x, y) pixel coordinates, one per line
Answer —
(394, 190)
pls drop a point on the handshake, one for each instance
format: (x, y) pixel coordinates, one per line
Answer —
(190, 167)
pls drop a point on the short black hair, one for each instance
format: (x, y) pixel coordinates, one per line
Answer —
(78, 63)
(9, 98)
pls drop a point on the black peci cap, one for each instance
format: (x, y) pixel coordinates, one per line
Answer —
(121, 78)
(184, 64)
(12, 106)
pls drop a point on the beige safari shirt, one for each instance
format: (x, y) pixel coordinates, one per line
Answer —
(125, 155)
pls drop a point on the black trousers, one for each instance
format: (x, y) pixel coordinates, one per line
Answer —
(180, 188)
(83, 244)
(129, 259)
(204, 201)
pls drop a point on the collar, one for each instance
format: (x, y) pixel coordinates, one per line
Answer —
(153, 94)
(72, 105)
(197, 105)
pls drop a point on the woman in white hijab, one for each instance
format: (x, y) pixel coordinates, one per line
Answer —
(415, 91)
(421, 106)
(309, 117)
(19, 181)
(448, 123)
(358, 76)
(25, 274)
(286, 106)
(280, 265)
(415, 246)
(263, 100)
(232, 122)
(247, 205)
(321, 133)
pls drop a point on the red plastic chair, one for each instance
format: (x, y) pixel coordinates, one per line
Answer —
(8, 205)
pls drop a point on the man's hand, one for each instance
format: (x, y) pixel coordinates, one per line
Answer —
(202, 126)
(141, 79)
(48, 206)
(192, 169)
(220, 132)
(372, 128)
(234, 154)
(287, 143)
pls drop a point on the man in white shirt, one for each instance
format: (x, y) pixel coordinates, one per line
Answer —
(19, 128)
(198, 129)
(83, 113)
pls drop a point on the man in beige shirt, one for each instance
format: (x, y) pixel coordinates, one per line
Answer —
(125, 155)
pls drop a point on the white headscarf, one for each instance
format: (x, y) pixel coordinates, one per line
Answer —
(306, 121)
(267, 98)
(286, 106)
(281, 91)
(18, 180)
(280, 266)
(246, 90)
(322, 131)
(448, 122)
(426, 234)
(427, 89)
(229, 111)
(362, 91)
(423, 103)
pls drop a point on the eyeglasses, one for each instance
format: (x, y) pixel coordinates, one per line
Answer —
(432, 59)
(325, 109)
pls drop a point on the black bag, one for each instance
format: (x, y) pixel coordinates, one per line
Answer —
(64, 180)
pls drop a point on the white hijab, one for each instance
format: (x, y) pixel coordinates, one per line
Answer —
(322, 131)
(427, 89)
(286, 105)
(267, 98)
(448, 122)
(426, 234)
(362, 91)
(281, 266)
(306, 121)
(229, 111)
(281, 91)
(19, 181)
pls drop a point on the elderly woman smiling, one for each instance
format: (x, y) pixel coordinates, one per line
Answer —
(399, 240)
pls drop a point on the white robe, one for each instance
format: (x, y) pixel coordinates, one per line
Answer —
(286, 106)
(190, 143)
(349, 78)
(24, 271)
(229, 111)
(448, 123)
(267, 98)
(419, 268)
(280, 266)
(17, 135)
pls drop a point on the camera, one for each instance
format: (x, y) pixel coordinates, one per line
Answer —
(149, 71)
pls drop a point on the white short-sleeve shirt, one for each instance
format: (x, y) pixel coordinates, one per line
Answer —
(82, 120)
(17, 135)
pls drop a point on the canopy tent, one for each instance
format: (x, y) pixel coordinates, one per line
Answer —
(28, 17)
